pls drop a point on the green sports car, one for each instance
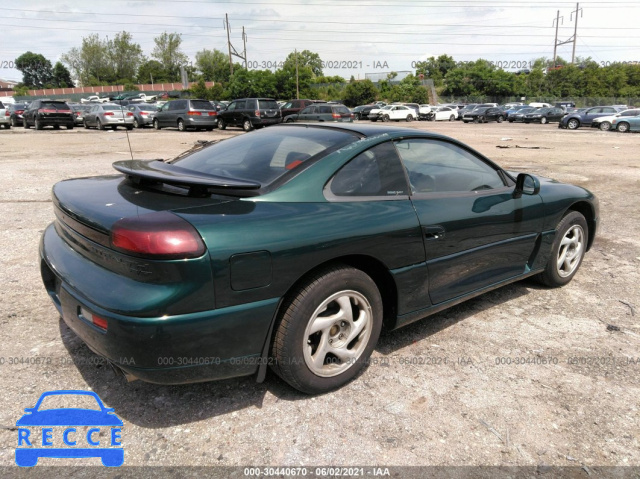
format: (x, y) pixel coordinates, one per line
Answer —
(291, 247)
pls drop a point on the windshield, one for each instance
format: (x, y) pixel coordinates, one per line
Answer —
(265, 155)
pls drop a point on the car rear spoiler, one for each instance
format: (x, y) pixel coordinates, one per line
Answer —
(156, 171)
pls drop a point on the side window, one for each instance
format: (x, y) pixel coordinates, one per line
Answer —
(232, 106)
(307, 111)
(165, 107)
(250, 105)
(240, 105)
(437, 166)
(324, 109)
(375, 172)
(609, 110)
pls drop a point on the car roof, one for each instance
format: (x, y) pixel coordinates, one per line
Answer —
(368, 130)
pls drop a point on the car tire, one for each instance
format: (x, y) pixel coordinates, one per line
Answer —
(181, 126)
(99, 124)
(38, 124)
(221, 124)
(156, 124)
(605, 126)
(316, 355)
(25, 124)
(510, 121)
(70, 127)
(136, 123)
(13, 122)
(409, 118)
(452, 118)
(129, 127)
(543, 120)
(476, 119)
(567, 251)
(500, 119)
(246, 125)
(623, 127)
(573, 124)
(386, 118)
(289, 120)
(84, 122)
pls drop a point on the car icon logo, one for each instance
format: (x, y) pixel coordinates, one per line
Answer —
(67, 432)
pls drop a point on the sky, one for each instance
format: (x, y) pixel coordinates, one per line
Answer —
(353, 37)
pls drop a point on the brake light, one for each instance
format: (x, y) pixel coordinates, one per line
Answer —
(6, 113)
(160, 235)
(194, 113)
(108, 113)
(257, 113)
(47, 110)
(19, 112)
(144, 113)
(213, 113)
(336, 115)
(129, 114)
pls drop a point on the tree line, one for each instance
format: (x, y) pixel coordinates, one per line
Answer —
(120, 61)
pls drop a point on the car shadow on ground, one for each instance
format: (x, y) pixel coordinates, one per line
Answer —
(157, 406)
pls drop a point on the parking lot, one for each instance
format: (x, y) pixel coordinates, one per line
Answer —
(522, 375)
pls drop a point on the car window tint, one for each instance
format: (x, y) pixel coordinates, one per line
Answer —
(438, 166)
(267, 105)
(343, 110)
(267, 154)
(201, 105)
(324, 109)
(307, 110)
(240, 105)
(375, 172)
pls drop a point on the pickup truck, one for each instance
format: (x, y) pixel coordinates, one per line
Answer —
(94, 99)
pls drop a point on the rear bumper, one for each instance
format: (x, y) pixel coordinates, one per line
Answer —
(265, 121)
(164, 349)
(201, 121)
(53, 120)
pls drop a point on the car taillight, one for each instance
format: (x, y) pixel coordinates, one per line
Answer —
(213, 113)
(257, 113)
(336, 115)
(160, 235)
(95, 320)
(144, 113)
(194, 113)
(47, 110)
(129, 114)
(6, 113)
(19, 112)
(108, 113)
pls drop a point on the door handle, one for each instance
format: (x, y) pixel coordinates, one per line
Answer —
(433, 232)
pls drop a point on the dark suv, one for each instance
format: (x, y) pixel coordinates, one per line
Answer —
(585, 117)
(185, 114)
(250, 113)
(41, 113)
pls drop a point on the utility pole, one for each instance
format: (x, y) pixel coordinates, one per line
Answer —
(575, 32)
(229, 42)
(297, 87)
(555, 43)
(244, 39)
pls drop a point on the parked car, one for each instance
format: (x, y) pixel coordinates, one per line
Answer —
(41, 113)
(93, 99)
(513, 104)
(108, 115)
(250, 113)
(543, 115)
(377, 113)
(218, 105)
(322, 112)
(391, 225)
(514, 109)
(79, 111)
(186, 114)
(398, 113)
(518, 116)
(5, 121)
(626, 124)
(16, 112)
(294, 106)
(442, 113)
(484, 115)
(362, 112)
(143, 114)
(584, 118)
(539, 105)
(605, 123)
(424, 110)
(465, 109)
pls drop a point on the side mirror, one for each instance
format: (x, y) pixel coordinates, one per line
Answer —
(526, 184)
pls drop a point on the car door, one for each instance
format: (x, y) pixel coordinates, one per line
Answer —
(555, 114)
(308, 114)
(161, 116)
(475, 232)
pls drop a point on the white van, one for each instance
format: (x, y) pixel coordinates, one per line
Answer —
(539, 105)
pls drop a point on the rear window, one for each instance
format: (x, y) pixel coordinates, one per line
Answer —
(201, 105)
(343, 110)
(267, 105)
(112, 108)
(58, 105)
(265, 155)
(147, 107)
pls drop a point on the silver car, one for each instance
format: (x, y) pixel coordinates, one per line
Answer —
(143, 113)
(108, 115)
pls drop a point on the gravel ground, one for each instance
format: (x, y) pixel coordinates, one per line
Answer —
(444, 391)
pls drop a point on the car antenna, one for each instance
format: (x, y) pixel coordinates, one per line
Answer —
(127, 131)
